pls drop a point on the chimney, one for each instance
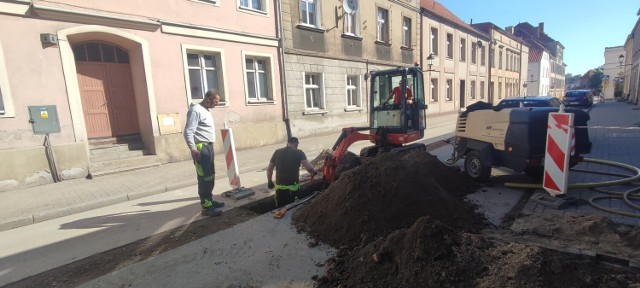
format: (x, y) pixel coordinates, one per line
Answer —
(540, 29)
(510, 29)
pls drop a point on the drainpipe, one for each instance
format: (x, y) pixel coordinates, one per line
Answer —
(520, 71)
(281, 60)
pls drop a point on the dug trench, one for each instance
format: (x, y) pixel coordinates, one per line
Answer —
(404, 222)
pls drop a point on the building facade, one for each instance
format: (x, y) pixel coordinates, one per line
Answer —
(458, 75)
(508, 61)
(552, 82)
(632, 59)
(330, 47)
(613, 71)
(109, 69)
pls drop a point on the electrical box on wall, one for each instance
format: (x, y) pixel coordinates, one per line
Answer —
(44, 119)
(48, 38)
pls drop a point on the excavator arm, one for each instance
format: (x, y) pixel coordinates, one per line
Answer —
(349, 136)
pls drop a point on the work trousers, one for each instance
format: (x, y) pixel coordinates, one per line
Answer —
(206, 172)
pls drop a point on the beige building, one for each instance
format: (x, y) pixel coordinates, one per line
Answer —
(458, 76)
(126, 71)
(613, 70)
(632, 59)
(509, 62)
(329, 49)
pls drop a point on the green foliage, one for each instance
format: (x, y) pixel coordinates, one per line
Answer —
(595, 82)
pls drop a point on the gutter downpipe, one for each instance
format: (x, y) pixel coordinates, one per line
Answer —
(283, 78)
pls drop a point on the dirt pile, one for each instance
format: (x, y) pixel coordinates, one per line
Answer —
(387, 193)
(402, 222)
(431, 254)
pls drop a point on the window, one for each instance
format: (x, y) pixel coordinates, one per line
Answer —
(203, 73)
(383, 25)
(474, 52)
(258, 78)
(353, 91)
(434, 89)
(434, 41)
(449, 45)
(6, 102)
(351, 23)
(463, 49)
(406, 32)
(100, 52)
(473, 89)
(481, 89)
(449, 89)
(309, 12)
(508, 65)
(253, 5)
(500, 59)
(313, 91)
(483, 55)
(499, 88)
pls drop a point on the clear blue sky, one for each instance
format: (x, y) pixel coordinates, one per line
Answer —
(584, 28)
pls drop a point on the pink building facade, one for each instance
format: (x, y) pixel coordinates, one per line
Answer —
(117, 69)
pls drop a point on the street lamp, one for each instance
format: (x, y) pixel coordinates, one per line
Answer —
(430, 62)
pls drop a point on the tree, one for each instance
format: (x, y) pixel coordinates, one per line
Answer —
(595, 82)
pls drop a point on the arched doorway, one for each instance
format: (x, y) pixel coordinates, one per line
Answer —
(106, 90)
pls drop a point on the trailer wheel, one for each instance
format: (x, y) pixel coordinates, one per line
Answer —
(473, 165)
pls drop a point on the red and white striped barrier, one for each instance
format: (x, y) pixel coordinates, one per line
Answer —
(230, 156)
(560, 145)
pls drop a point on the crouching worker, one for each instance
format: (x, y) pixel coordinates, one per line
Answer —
(287, 162)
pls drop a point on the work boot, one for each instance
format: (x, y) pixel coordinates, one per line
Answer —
(217, 204)
(211, 212)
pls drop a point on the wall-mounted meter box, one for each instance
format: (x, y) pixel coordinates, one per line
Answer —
(44, 119)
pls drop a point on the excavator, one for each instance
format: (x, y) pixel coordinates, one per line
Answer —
(392, 126)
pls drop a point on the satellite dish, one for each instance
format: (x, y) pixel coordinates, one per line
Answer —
(350, 6)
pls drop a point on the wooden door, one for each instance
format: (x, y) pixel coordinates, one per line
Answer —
(122, 101)
(91, 79)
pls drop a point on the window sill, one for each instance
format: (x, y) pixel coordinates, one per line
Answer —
(315, 112)
(378, 42)
(351, 36)
(251, 10)
(261, 102)
(406, 48)
(310, 28)
(353, 109)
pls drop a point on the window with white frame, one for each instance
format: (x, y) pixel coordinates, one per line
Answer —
(473, 89)
(449, 46)
(449, 89)
(313, 97)
(351, 23)
(6, 102)
(463, 49)
(434, 89)
(257, 71)
(309, 12)
(406, 32)
(353, 91)
(383, 25)
(204, 73)
(474, 53)
(434, 41)
(258, 5)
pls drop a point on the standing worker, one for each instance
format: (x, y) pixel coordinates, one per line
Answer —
(199, 133)
(287, 162)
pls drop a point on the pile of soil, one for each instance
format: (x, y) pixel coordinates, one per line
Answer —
(387, 193)
(403, 222)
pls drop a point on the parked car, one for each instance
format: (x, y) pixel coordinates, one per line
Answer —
(529, 101)
(578, 98)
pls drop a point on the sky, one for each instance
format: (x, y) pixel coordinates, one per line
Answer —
(584, 28)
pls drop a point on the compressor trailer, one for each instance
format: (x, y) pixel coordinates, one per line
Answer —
(513, 138)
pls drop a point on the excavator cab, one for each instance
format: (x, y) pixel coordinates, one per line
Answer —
(398, 104)
(397, 118)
